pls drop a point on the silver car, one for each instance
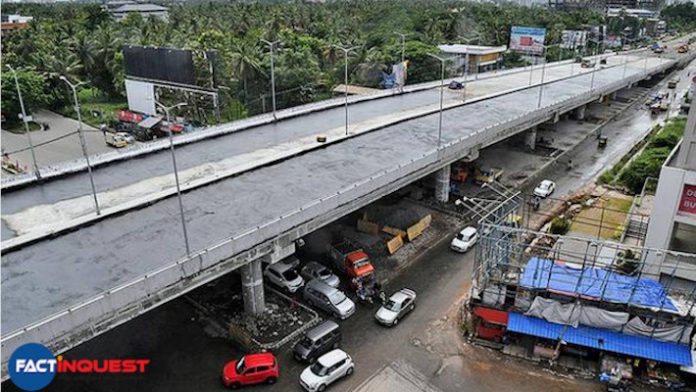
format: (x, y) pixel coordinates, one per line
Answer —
(396, 307)
(314, 270)
(330, 299)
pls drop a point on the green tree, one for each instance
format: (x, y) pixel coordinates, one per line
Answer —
(31, 84)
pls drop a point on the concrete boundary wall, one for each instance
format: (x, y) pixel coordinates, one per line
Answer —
(78, 165)
(81, 322)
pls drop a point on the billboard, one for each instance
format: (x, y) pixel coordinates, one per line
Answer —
(572, 39)
(141, 97)
(159, 64)
(687, 202)
(527, 39)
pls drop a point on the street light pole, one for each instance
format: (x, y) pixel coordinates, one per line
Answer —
(176, 172)
(273, 94)
(345, 77)
(541, 85)
(73, 87)
(26, 123)
(403, 45)
(442, 89)
(466, 61)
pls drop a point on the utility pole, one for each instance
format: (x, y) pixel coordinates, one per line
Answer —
(82, 140)
(403, 45)
(26, 123)
(176, 172)
(476, 38)
(345, 77)
(271, 45)
(442, 89)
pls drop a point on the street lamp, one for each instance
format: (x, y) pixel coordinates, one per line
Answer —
(403, 45)
(543, 72)
(345, 75)
(442, 88)
(166, 110)
(26, 123)
(476, 38)
(271, 45)
(82, 140)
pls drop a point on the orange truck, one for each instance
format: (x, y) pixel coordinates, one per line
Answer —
(354, 262)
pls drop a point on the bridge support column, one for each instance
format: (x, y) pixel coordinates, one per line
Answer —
(442, 184)
(580, 112)
(252, 287)
(530, 137)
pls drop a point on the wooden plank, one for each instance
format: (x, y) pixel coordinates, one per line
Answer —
(394, 244)
(367, 227)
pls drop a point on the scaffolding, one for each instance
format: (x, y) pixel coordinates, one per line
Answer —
(507, 249)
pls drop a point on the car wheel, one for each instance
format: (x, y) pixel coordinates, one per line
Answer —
(322, 388)
(349, 372)
(235, 385)
(271, 380)
(336, 315)
(413, 306)
(335, 345)
(396, 321)
(312, 359)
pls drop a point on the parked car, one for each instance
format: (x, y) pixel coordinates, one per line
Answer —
(314, 270)
(588, 63)
(326, 370)
(127, 137)
(397, 306)
(284, 276)
(251, 369)
(454, 85)
(545, 188)
(464, 240)
(317, 341)
(330, 299)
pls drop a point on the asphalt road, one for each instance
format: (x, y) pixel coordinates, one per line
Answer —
(185, 358)
(41, 279)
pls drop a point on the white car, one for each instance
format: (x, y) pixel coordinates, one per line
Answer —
(314, 270)
(328, 368)
(464, 240)
(127, 137)
(396, 307)
(284, 276)
(545, 188)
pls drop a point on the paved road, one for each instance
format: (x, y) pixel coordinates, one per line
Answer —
(206, 157)
(185, 358)
(53, 274)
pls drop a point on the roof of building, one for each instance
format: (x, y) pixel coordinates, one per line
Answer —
(602, 339)
(595, 284)
(471, 49)
(140, 8)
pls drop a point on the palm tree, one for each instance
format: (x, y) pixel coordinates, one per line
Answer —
(246, 61)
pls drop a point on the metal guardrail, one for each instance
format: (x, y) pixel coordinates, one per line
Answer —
(100, 313)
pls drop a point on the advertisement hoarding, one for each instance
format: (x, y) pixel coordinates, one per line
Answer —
(529, 40)
(612, 41)
(573, 39)
(687, 202)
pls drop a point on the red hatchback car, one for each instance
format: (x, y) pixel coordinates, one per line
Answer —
(251, 369)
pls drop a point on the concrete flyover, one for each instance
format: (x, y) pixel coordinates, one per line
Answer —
(67, 288)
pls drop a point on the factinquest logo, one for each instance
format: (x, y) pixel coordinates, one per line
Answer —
(32, 366)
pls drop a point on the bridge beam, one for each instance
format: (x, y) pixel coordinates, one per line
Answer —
(580, 112)
(442, 184)
(530, 137)
(252, 287)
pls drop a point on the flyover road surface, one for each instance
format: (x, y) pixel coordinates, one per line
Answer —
(67, 198)
(138, 248)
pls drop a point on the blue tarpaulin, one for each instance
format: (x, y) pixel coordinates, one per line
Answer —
(602, 339)
(595, 283)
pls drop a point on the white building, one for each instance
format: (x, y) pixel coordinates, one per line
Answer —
(673, 218)
(145, 10)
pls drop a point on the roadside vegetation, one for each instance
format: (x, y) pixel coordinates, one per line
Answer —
(83, 43)
(631, 171)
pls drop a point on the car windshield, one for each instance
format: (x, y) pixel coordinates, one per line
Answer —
(290, 275)
(544, 185)
(318, 369)
(361, 263)
(306, 342)
(240, 366)
(337, 297)
(462, 237)
(391, 305)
